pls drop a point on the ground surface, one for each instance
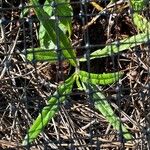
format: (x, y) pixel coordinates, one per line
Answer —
(25, 86)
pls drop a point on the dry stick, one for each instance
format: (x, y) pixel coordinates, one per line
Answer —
(109, 6)
(5, 143)
(89, 124)
(14, 122)
(107, 145)
(3, 115)
(2, 33)
(7, 59)
(72, 130)
(98, 7)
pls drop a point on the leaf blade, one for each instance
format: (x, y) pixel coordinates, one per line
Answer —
(49, 111)
(50, 26)
(138, 5)
(116, 47)
(100, 79)
(41, 54)
(65, 13)
(141, 22)
(104, 107)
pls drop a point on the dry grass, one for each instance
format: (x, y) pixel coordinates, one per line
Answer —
(25, 86)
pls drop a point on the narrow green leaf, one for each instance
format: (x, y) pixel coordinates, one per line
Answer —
(65, 13)
(48, 8)
(50, 110)
(104, 107)
(44, 38)
(138, 5)
(119, 46)
(52, 30)
(39, 54)
(100, 79)
(65, 22)
(141, 22)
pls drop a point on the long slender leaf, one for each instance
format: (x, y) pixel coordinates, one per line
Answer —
(52, 30)
(65, 13)
(141, 22)
(138, 5)
(44, 38)
(50, 110)
(100, 79)
(39, 54)
(104, 107)
(119, 46)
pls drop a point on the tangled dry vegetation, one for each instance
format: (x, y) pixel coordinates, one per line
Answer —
(25, 86)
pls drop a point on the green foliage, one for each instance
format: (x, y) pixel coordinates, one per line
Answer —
(44, 38)
(100, 79)
(50, 110)
(52, 31)
(119, 46)
(141, 22)
(138, 5)
(53, 37)
(41, 54)
(62, 10)
(65, 13)
(101, 104)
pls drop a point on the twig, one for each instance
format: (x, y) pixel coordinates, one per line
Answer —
(108, 7)
(2, 32)
(7, 59)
